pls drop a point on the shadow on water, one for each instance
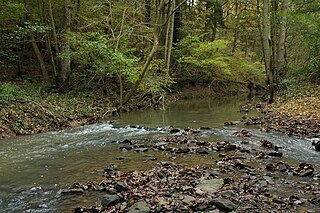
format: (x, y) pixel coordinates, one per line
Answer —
(33, 168)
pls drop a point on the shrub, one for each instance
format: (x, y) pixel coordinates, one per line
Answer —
(9, 92)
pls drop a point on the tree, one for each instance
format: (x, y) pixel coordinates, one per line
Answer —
(214, 18)
(12, 16)
(266, 37)
(159, 27)
(147, 12)
(303, 41)
(64, 72)
(281, 61)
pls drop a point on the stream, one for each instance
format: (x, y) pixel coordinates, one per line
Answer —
(34, 168)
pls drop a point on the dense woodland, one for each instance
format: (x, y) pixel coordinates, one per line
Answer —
(119, 49)
(152, 45)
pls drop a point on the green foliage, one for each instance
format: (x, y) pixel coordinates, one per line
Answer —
(209, 56)
(304, 25)
(8, 47)
(158, 80)
(215, 61)
(11, 15)
(91, 52)
(125, 65)
(31, 26)
(95, 55)
(9, 92)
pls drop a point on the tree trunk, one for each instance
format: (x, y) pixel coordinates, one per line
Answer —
(144, 71)
(116, 49)
(78, 4)
(53, 28)
(266, 37)
(162, 16)
(54, 60)
(158, 28)
(169, 36)
(281, 56)
(156, 34)
(65, 50)
(47, 37)
(44, 72)
(147, 7)
(177, 24)
(236, 29)
(274, 39)
(40, 60)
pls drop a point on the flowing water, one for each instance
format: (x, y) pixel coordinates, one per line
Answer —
(34, 168)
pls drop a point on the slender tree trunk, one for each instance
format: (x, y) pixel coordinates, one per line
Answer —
(169, 36)
(65, 49)
(78, 5)
(266, 37)
(156, 34)
(147, 7)
(177, 24)
(40, 60)
(54, 60)
(47, 37)
(116, 49)
(53, 28)
(35, 47)
(144, 71)
(40, 6)
(274, 39)
(214, 29)
(281, 56)
(236, 29)
(158, 28)
(170, 39)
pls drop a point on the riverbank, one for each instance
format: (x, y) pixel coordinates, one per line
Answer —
(293, 113)
(26, 109)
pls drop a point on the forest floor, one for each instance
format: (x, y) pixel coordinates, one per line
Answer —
(26, 108)
(29, 113)
(294, 113)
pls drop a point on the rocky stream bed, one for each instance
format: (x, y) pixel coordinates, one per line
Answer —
(238, 179)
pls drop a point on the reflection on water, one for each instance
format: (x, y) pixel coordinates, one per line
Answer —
(189, 113)
(33, 168)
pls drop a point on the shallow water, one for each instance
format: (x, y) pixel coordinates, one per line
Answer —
(34, 168)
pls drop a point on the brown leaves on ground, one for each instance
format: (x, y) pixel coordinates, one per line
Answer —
(306, 107)
(296, 115)
(25, 116)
